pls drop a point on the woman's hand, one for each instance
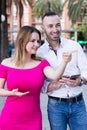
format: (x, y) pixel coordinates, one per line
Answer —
(15, 92)
(67, 56)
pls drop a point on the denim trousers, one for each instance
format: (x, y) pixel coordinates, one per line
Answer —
(61, 114)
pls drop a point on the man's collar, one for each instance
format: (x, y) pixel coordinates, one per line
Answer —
(50, 45)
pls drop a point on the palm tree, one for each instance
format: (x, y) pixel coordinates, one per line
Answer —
(19, 6)
(42, 6)
(75, 9)
(3, 24)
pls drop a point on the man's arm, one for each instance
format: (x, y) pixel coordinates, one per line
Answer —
(54, 85)
(50, 85)
(59, 83)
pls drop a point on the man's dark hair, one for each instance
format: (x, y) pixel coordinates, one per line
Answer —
(48, 14)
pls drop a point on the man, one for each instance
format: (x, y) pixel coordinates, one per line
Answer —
(65, 98)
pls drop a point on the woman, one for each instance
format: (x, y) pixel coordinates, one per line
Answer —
(25, 75)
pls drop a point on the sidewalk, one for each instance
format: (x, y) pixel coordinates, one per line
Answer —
(44, 100)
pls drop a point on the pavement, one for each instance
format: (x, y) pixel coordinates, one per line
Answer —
(44, 100)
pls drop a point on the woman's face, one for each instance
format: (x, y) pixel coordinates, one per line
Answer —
(33, 44)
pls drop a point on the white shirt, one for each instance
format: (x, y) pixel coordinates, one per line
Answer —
(78, 65)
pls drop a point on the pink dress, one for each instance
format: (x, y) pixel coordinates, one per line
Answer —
(23, 113)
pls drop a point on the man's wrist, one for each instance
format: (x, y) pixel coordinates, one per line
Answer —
(82, 82)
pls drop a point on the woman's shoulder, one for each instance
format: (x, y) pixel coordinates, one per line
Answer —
(45, 62)
(7, 61)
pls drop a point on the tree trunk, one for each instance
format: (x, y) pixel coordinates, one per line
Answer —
(3, 31)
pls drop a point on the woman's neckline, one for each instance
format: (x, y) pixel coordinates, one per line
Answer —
(19, 68)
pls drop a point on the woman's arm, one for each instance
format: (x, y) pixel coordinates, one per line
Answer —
(56, 74)
(3, 92)
(14, 92)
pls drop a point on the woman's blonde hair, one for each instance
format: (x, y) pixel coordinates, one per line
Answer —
(23, 38)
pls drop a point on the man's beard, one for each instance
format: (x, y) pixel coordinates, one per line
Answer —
(53, 39)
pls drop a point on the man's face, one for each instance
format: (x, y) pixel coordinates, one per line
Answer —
(52, 27)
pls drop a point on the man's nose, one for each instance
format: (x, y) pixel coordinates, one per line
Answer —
(55, 29)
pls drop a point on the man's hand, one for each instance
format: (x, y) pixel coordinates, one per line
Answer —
(72, 83)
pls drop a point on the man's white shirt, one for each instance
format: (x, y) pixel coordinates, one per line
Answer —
(78, 65)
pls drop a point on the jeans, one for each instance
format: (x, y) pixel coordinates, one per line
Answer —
(61, 114)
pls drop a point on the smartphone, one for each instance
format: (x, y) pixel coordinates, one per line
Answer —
(74, 77)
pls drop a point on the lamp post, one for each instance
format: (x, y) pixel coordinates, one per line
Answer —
(2, 33)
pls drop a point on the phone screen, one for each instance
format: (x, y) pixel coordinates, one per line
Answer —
(74, 77)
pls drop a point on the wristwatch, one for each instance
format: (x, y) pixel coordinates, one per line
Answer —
(82, 82)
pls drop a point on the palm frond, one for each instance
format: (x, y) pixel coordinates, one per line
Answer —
(74, 9)
(42, 6)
